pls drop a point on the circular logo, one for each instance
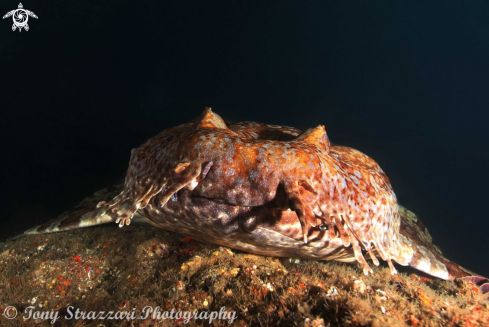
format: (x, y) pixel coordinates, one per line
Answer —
(20, 17)
(10, 312)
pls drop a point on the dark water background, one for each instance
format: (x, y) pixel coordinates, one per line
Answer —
(406, 82)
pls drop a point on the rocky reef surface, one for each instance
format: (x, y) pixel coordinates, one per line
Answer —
(144, 276)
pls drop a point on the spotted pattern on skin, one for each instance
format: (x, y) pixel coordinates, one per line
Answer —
(321, 188)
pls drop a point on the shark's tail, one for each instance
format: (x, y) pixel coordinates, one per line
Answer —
(85, 214)
(418, 251)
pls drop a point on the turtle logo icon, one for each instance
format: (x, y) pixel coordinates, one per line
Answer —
(20, 17)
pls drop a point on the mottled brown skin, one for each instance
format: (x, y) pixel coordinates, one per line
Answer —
(351, 196)
(355, 196)
(180, 181)
(215, 162)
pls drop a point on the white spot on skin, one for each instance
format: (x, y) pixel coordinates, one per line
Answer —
(359, 174)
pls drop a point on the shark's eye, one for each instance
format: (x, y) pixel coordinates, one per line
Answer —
(323, 227)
